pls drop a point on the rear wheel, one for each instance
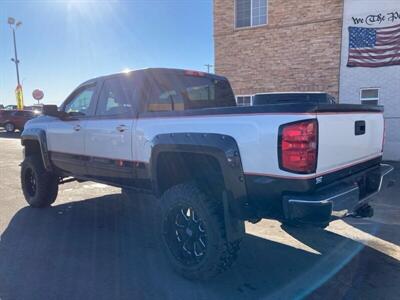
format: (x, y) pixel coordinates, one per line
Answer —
(193, 233)
(9, 127)
(39, 186)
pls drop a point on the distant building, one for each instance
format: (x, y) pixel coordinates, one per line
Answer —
(289, 45)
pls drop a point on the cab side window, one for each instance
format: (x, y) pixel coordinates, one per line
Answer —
(80, 103)
(115, 99)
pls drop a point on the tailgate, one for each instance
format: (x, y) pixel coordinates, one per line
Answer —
(348, 138)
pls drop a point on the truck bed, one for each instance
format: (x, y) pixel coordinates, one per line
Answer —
(338, 146)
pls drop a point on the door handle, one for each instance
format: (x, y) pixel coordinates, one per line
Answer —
(77, 127)
(121, 128)
(359, 127)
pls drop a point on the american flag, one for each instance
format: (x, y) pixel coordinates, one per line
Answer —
(374, 47)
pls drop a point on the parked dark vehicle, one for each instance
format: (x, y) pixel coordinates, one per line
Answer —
(300, 97)
(11, 120)
(11, 107)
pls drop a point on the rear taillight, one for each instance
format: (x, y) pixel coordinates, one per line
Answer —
(298, 144)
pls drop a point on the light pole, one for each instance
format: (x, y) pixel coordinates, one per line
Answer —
(14, 25)
(18, 91)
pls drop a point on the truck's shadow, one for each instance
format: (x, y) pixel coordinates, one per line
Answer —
(106, 248)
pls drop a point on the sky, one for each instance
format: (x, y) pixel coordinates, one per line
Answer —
(63, 43)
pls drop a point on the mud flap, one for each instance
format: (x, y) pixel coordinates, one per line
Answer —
(234, 227)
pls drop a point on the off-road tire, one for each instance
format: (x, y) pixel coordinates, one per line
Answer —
(219, 253)
(46, 183)
(9, 127)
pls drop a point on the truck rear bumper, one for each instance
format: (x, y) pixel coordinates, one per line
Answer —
(336, 201)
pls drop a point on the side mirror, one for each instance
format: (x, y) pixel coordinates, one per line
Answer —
(51, 110)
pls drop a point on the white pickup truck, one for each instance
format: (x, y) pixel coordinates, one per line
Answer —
(179, 135)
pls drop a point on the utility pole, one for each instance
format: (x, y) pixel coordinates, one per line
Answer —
(18, 91)
(208, 66)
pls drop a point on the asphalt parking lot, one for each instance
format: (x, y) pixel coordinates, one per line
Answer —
(95, 244)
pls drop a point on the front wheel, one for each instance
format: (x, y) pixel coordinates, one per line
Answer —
(9, 127)
(193, 233)
(39, 186)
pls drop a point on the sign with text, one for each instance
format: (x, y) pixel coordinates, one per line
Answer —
(377, 19)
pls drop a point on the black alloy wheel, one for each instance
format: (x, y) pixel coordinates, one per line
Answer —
(30, 181)
(185, 235)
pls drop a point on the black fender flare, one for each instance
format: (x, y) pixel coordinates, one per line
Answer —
(226, 151)
(38, 135)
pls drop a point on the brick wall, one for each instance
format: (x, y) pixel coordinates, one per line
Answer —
(298, 50)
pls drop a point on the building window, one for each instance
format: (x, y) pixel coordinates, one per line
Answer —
(250, 13)
(369, 96)
(244, 100)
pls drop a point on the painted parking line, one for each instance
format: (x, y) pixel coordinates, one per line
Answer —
(346, 230)
(272, 231)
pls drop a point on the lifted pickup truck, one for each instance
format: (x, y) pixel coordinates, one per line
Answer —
(179, 135)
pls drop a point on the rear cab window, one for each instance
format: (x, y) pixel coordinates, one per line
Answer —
(185, 90)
